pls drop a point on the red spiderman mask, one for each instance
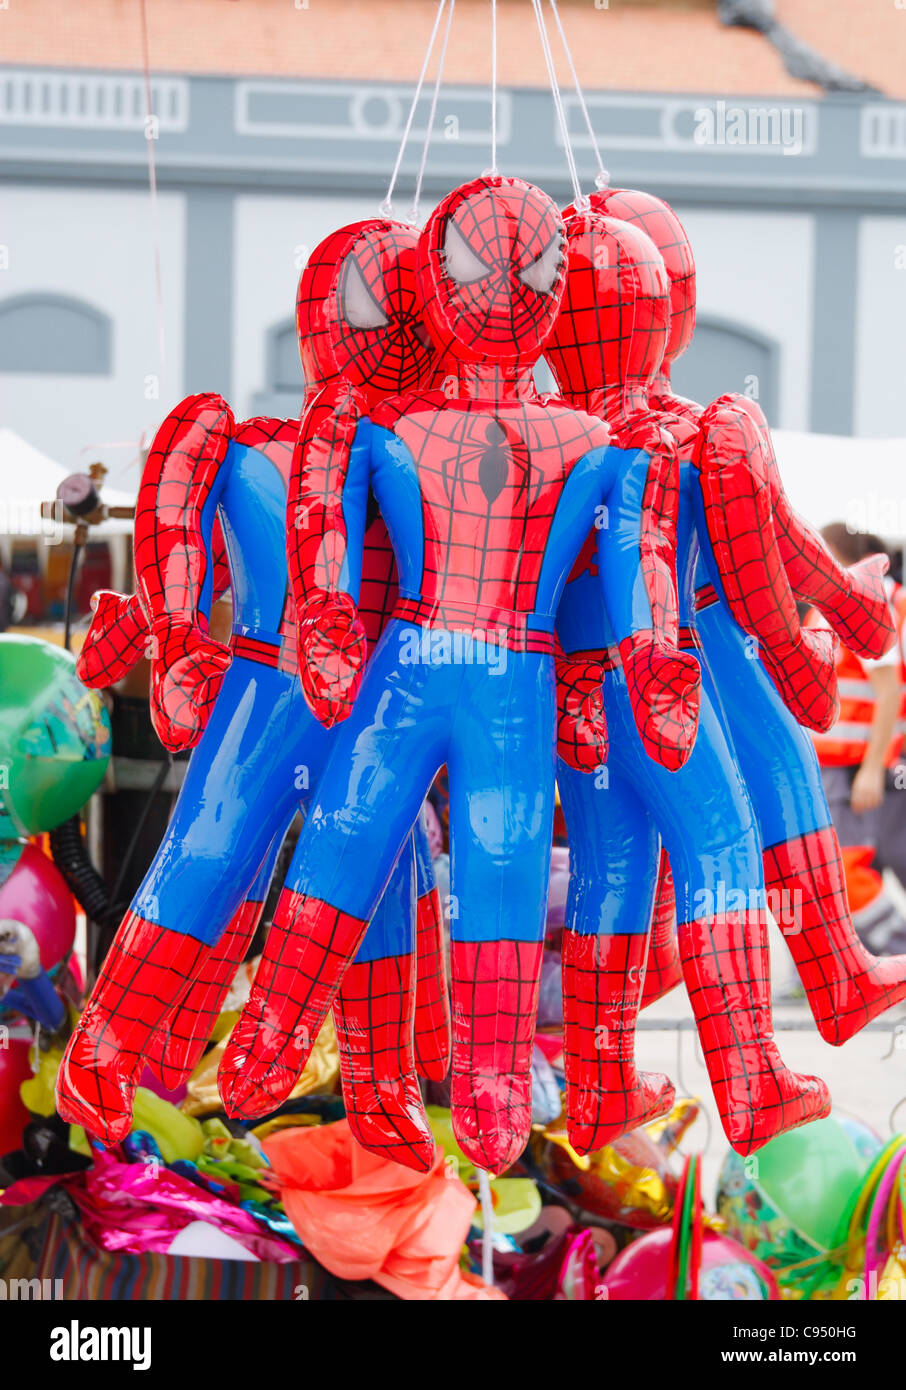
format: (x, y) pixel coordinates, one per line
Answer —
(608, 342)
(658, 221)
(491, 268)
(356, 311)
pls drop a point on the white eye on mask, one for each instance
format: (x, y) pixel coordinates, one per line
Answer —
(360, 308)
(541, 274)
(461, 263)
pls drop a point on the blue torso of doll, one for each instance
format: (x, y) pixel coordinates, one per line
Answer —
(251, 502)
(583, 622)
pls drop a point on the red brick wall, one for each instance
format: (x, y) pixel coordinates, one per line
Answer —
(662, 45)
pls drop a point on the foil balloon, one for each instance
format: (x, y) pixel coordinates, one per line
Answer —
(845, 985)
(37, 931)
(487, 495)
(319, 1076)
(54, 740)
(54, 750)
(363, 1217)
(793, 1214)
(15, 1068)
(628, 1181)
(259, 748)
(35, 893)
(132, 1207)
(727, 1272)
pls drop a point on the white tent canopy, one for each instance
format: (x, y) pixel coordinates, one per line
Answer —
(827, 478)
(28, 478)
(861, 482)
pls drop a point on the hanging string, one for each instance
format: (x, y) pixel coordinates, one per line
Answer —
(487, 1226)
(581, 201)
(386, 207)
(602, 178)
(413, 217)
(155, 213)
(34, 1052)
(493, 169)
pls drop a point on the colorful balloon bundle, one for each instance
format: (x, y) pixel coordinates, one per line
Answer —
(826, 1210)
(689, 1261)
(54, 749)
(439, 566)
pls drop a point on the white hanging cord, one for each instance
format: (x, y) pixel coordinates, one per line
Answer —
(602, 178)
(493, 168)
(487, 1226)
(581, 201)
(386, 207)
(155, 215)
(413, 217)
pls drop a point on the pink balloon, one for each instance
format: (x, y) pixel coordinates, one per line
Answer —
(36, 894)
(14, 1069)
(728, 1271)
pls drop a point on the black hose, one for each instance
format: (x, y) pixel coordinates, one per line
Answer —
(66, 843)
(67, 617)
(156, 787)
(67, 847)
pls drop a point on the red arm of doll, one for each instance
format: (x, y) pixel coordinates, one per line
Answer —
(736, 496)
(174, 522)
(664, 683)
(327, 492)
(119, 635)
(581, 721)
(854, 601)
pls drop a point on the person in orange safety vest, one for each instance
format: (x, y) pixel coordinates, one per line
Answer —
(861, 759)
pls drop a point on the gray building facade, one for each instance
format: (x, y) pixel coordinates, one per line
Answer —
(796, 211)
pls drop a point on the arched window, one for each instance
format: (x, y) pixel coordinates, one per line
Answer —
(284, 369)
(284, 388)
(54, 333)
(725, 356)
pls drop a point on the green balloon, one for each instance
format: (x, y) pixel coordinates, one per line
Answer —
(809, 1174)
(55, 738)
(177, 1135)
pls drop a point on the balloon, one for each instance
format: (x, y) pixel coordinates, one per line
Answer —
(621, 313)
(728, 1271)
(488, 494)
(363, 1217)
(605, 352)
(628, 1181)
(534, 554)
(36, 895)
(54, 735)
(319, 1076)
(796, 1208)
(177, 1135)
(258, 749)
(15, 1068)
(845, 985)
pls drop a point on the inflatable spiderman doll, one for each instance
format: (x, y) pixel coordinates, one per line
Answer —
(606, 350)
(845, 985)
(488, 496)
(211, 515)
